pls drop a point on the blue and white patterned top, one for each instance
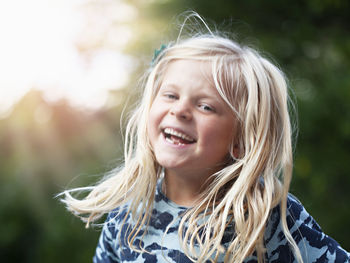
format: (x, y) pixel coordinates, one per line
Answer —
(314, 245)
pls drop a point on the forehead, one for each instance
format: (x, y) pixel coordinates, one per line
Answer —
(198, 68)
(190, 72)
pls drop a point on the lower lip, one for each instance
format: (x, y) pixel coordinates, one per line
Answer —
(175, 145)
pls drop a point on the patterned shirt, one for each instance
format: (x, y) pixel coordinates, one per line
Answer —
(164, 246)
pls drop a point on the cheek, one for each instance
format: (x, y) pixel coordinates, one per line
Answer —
(153, 123)
(151, 127)
(218, 129)
(220, 135)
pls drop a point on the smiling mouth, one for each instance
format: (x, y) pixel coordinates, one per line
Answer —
(176, 137)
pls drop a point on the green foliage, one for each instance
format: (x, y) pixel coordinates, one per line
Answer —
(34, 231)
(40, 157)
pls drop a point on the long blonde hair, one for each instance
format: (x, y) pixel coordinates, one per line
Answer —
(242, 193)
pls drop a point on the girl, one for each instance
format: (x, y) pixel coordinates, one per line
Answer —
(208, 163)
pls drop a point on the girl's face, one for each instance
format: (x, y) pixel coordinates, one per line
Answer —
(190, 127)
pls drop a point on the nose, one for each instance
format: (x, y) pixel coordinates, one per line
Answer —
(182, 110)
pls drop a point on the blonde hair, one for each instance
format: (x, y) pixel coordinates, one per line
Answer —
(242, 193)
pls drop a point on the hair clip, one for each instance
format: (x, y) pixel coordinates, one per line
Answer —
(157, 52)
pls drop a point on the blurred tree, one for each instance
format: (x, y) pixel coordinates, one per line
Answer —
(43, 146)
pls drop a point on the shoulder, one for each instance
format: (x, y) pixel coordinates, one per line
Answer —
(108, 243)
(313, 244)
(113, 225)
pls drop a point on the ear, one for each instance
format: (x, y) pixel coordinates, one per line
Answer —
(235, 151)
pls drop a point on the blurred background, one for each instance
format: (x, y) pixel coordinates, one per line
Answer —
(68, 68)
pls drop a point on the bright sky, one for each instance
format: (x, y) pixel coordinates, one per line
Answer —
(38, 49)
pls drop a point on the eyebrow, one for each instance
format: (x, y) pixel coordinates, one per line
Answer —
(212, 95)
(170, 85)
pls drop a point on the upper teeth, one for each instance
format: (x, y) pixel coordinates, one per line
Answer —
(178, 134)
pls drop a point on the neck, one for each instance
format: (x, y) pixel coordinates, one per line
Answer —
(184, 190)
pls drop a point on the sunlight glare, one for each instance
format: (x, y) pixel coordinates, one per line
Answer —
(37, 50)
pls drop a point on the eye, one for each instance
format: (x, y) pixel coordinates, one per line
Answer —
(206, 108)
(170, 96)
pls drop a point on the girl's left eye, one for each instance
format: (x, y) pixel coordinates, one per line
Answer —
(206, 107)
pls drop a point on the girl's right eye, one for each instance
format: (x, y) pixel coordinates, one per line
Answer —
(170, 96)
